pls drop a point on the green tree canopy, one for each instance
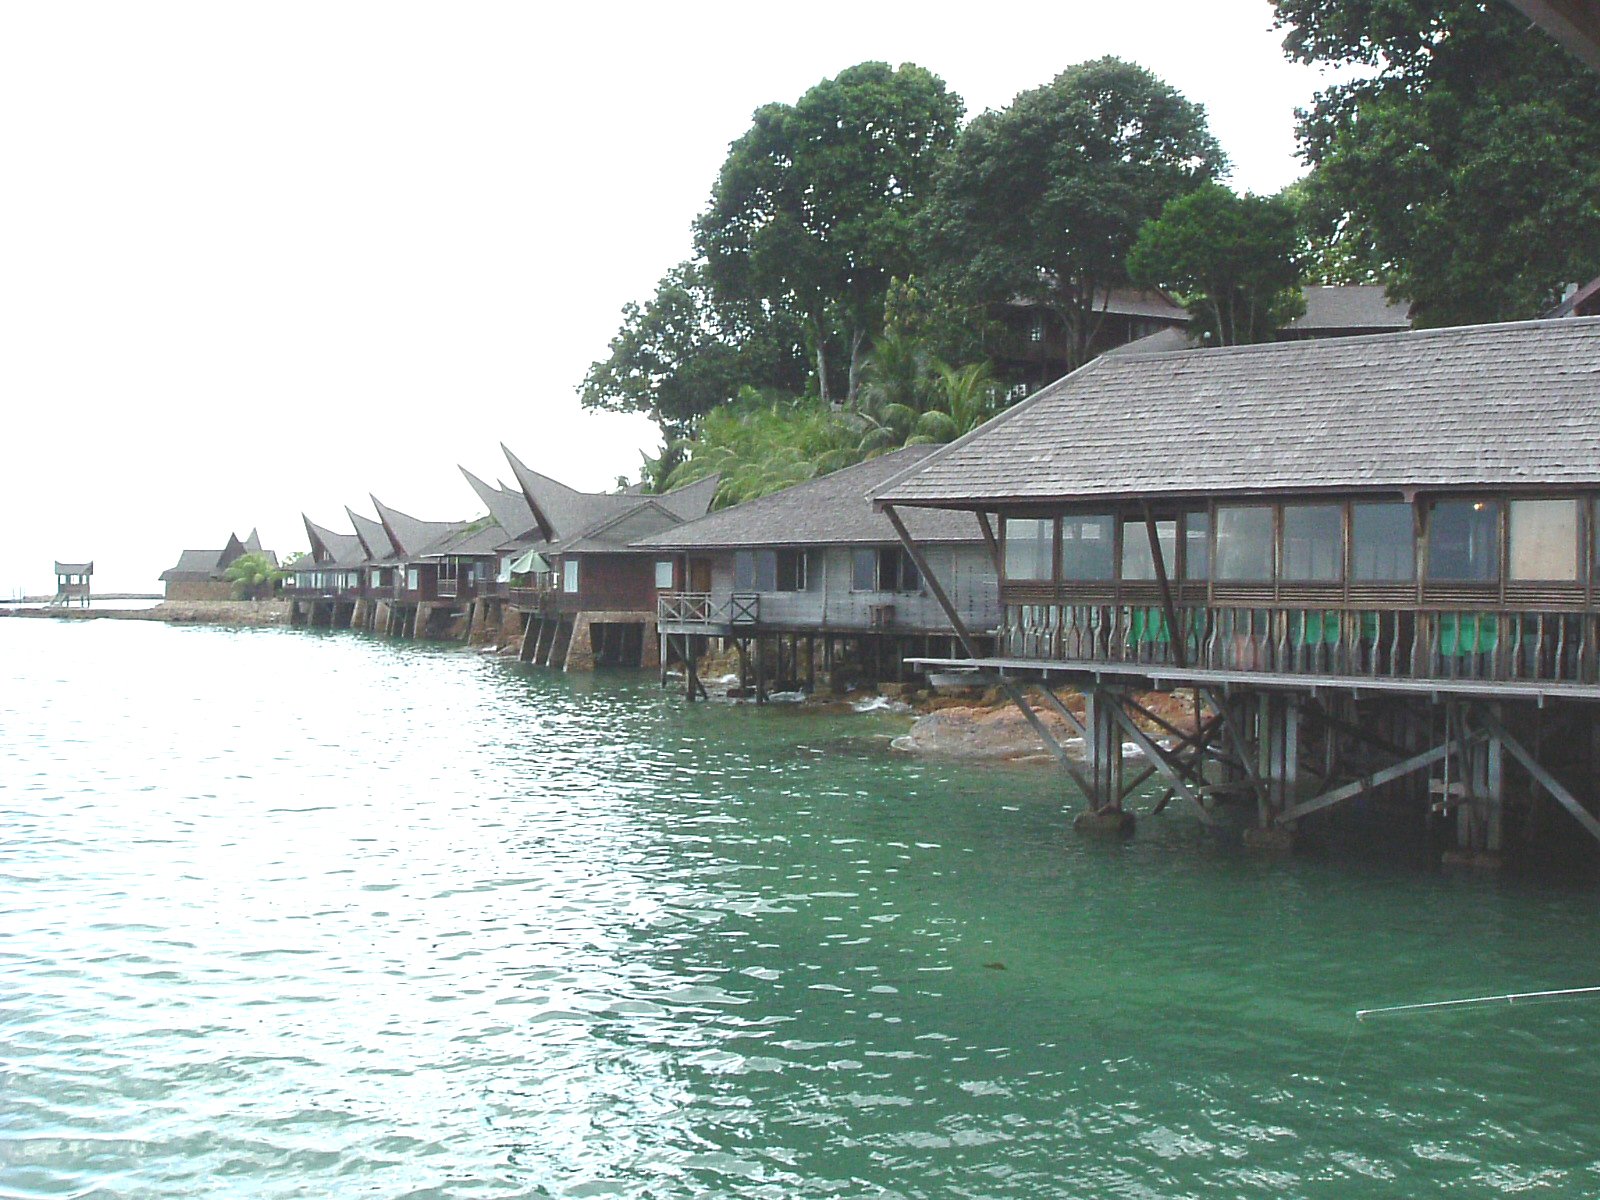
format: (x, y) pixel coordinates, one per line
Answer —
(681, 354)
(1463, 167)
(253, 575)
(1233, 261)
(1042, 200)
(814, 208)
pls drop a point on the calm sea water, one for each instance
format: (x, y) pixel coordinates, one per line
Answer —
(289, 914)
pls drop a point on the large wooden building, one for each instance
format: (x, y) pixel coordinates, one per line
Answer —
(1375, 559)
(203, 574)
(805, 578)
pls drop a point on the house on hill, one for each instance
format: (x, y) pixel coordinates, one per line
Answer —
(202, 574)
(808, 579)
(1375, 560)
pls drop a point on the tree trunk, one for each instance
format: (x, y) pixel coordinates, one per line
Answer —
(857, 338)
(822, 369)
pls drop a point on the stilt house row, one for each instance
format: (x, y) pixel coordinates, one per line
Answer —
(548, 569)
(803, 580)
(1376, 559)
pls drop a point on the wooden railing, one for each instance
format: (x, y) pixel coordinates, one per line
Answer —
(1376, 643)
(701, 608)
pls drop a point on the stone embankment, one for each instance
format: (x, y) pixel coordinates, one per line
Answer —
(253, 613)
(991, 729)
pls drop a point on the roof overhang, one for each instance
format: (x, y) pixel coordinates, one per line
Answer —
(1574, 24)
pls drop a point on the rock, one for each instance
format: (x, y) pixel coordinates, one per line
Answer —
(1105, 822)
(1274, 840)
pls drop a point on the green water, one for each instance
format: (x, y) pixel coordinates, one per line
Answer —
(315, 915)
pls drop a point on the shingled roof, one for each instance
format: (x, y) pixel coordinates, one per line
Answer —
(1480, 406)
(832, 510)
(374, 538)
(413, 537)
(338, 549)
(588, 521)
(1358, 307)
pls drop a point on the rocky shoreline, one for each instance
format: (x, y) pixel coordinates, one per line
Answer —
(249, 613)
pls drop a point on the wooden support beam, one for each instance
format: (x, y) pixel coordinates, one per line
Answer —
(932, 581)
(1157, 758)
(1366, 783)
(1071, 766)
(992, 542)
(1487, 722)
(1174, 634)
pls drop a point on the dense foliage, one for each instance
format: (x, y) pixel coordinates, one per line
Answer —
(253, 575)
(1462, 167)
(1234, 262)
(1042, 201)
(813, 211)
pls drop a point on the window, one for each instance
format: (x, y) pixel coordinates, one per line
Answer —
(1137, 561)
(1383, 544)
(1197, 545)
(1313, 543)
(1244, 545)
(790, 569)
(1544, 539)
(1086, 547)
(1464, 541)
(412, 581)
(864, 571)
(1029, 548)
(896, 571)
(1036, 328)
(663, 574)
(744, 570)
(569, 575)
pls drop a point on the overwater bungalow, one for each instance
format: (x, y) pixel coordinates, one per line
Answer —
(202, 574)
(587, 594)
(1374, 560)
(804, 579)
(325, 587)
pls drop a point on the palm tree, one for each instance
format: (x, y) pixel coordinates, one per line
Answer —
(964, 398)
(253, 575)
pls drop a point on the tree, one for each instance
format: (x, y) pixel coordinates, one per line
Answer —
(814, 208)
(1463, 166)
(1233, 261)
(1042, 200)
(253, 576)
(681, 354)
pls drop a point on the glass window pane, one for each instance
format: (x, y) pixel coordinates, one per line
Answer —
(910, 577)
(1544, 539)
(1197, 545)
(1383, 546)
(1086, 547)
(864, 571)
(1464, 541)
(1137, 561)
(569, 575)
(744, 571)
(664, 574)
(1313, 543)
(1244, 544)
(1028, 548)
(766, 570)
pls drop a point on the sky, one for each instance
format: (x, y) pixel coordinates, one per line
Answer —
(259, 260)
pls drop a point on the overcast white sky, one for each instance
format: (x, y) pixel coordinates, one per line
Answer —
(259, 259)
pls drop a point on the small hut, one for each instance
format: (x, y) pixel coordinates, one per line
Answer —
(72, 583)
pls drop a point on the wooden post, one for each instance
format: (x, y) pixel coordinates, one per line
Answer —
(761, 672)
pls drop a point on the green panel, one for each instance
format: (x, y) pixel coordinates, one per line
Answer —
(1468, 633)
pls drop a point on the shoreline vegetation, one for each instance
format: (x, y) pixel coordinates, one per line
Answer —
(971, 724)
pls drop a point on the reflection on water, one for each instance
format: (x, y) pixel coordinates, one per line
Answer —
(293, 914)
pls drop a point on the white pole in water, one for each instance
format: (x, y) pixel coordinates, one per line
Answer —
(1512, 998)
